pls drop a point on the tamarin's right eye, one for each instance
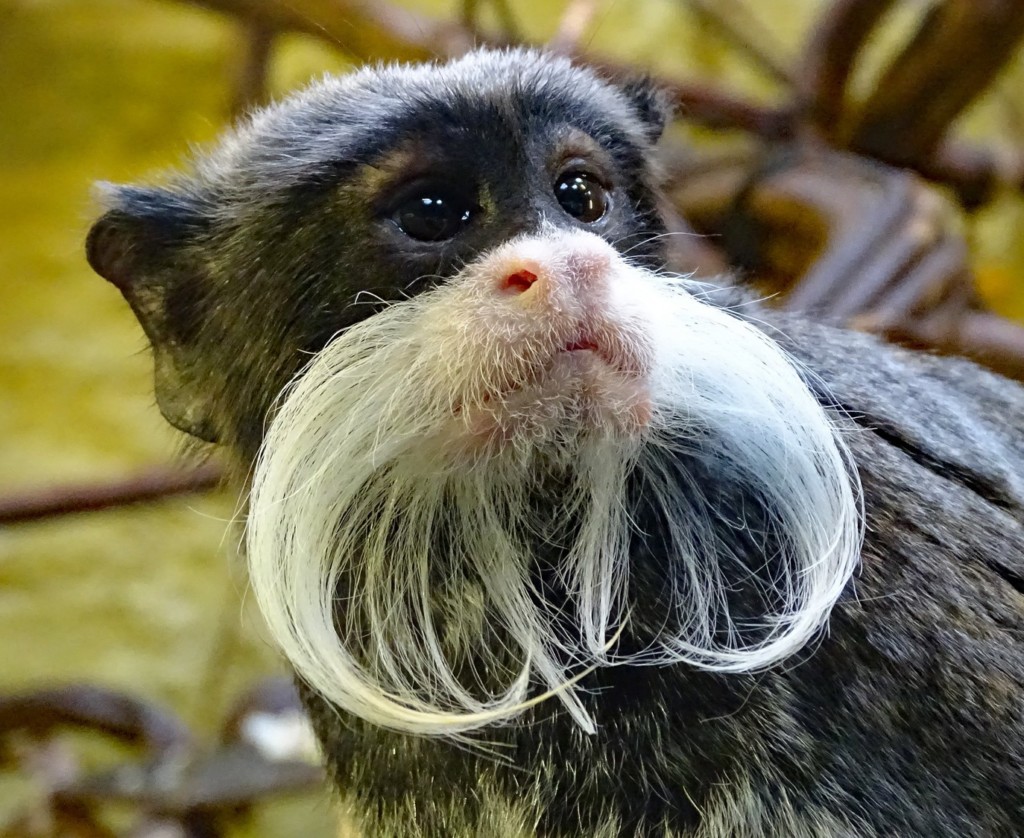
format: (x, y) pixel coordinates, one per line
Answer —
(434, 214)
(582, 196)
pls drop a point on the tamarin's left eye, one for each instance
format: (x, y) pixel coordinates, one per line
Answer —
(581, 196)
(433, 215)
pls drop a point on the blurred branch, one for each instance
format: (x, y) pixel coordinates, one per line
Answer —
(576, 19)
(992, 340)
(722, 110)
(156, 483)
(181, 787)
(957, 51)
(736, 24)
(250, 89)
(832, 49)
(122, 716)
(509, 24)
(850, 241)
(953, 56)
(975, 172)
(364, 29)
(470, 18)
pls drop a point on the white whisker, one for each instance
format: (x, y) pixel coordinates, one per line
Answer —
(370, 488)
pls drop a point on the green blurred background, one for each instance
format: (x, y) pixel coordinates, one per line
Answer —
(147, 599)
(151, 599)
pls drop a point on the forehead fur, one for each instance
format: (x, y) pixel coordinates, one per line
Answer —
(346, 117)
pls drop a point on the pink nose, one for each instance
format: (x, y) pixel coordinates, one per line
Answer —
(520, 281)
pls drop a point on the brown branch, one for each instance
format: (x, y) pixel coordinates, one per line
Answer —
(975, 172)
(955, 54)
(209, 784)
(379, 30)
(720, 110)
(154, 484)
(363, 29)
(736, 25)
(576, 19)
(469, 17)
(959, 48)
(84, 706)
(994, 341)
(830, 54)
(250, 89)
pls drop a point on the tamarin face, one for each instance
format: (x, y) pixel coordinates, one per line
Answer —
(359, 192)
(502, 399)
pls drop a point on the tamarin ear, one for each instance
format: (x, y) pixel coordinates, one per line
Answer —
(142, 246)
(652, 103)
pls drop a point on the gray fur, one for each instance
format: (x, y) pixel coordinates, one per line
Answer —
(906, 719)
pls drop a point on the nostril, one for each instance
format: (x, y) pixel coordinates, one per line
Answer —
(520, 281)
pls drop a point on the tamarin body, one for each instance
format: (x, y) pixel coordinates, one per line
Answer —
(557, 542)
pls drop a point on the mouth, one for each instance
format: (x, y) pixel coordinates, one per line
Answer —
(580, 362)
(535, 382)
(583, 345)
(581, 383)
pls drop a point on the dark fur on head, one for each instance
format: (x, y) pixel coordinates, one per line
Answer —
(906, 719)
(282, 217)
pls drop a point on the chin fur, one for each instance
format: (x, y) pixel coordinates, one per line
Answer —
(418, 464)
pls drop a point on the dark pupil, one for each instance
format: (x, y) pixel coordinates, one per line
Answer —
(432, 217)
(581, 196)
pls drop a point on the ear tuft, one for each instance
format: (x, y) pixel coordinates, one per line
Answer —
(142, 246)
(652, 103)
(106, 250)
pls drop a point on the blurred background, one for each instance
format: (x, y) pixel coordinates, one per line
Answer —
(149, 599)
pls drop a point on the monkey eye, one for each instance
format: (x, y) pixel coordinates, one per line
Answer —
(582, 196)
(434, 214)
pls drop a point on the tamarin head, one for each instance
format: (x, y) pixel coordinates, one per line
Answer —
(428, 303)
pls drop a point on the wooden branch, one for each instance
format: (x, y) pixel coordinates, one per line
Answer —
(717, 109)
(371, 31)
(365, 29)
(839, 236)
(955, 54)
(154, 484)
(736, 25)
(974, 172)
(572, 28)
(250, 88)
(832, 49)
(991, 340)
(959, 48)
(85, 706)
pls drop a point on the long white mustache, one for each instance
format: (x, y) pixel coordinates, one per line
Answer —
(394, 517)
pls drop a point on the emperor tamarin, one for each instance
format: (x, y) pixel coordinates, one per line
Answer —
(557, 542)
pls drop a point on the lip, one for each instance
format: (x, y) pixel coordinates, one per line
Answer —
(581, 353)
(582, 346)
